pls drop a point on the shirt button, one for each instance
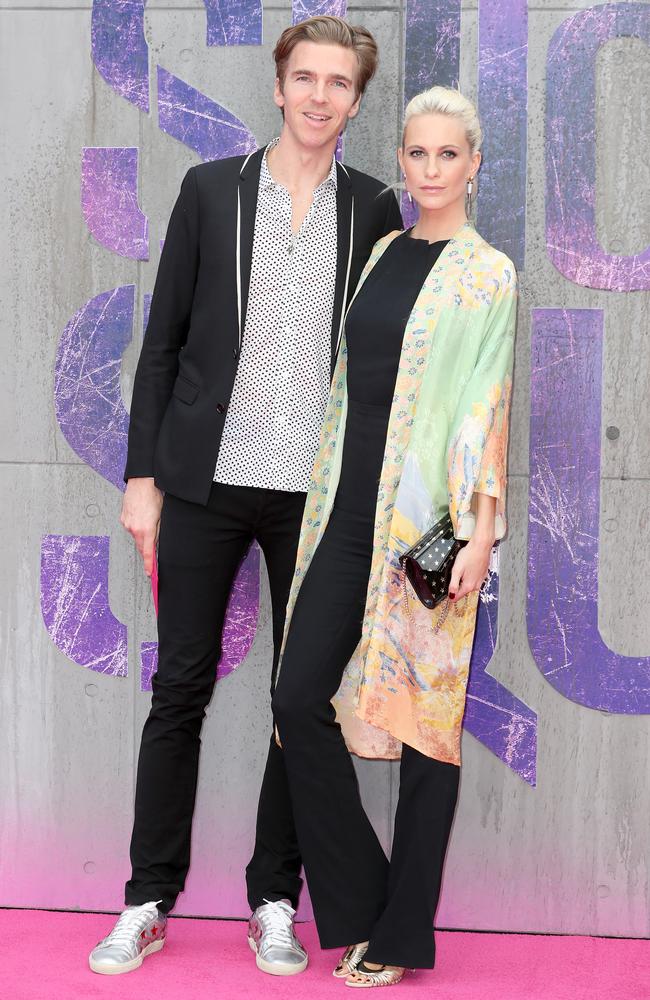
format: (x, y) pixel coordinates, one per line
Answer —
(220, 407)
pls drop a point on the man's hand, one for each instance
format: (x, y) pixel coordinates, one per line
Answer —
(141, 517)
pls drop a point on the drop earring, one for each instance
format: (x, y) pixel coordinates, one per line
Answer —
(468, 196)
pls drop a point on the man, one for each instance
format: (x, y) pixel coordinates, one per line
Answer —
(262, 253)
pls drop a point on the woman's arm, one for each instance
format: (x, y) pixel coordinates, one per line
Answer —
(478, 438)
(472, 562)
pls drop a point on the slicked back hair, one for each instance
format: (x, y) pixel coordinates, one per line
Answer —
(447, 101)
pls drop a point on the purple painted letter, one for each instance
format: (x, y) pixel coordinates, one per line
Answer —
(493, 715)
(75, 605)
(234, 22)
(571, 154)
(87, 394)
(503, 102)
(432, 55)
(564, 517)
(109, 200)
(120, 50)
(199, 122)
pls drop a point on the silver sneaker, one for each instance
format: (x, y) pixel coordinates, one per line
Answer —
(272, 937)
(139, 931)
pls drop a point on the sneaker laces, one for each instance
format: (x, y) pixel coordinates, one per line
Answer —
(277, 922)
(131, 922)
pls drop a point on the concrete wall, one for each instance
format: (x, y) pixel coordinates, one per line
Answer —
(551, 832)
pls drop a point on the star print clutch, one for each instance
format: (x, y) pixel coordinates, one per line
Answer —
(428, 564)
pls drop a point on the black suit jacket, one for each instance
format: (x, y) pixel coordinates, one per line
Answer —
(189, 357)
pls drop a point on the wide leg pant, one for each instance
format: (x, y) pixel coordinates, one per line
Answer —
(357, 896)
(200, 549)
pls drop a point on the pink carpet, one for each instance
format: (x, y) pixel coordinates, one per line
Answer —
(43, 957)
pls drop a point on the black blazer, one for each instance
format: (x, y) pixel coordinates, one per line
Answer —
(189, 357)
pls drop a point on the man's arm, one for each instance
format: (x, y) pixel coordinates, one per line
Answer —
(167, 329)
(169, 320)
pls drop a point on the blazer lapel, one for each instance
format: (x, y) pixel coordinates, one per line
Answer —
(344, 201)
(249, 182)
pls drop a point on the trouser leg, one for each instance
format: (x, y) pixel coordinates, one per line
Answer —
(274, 869)
(345, 865)
(428, 792)
(200, 549)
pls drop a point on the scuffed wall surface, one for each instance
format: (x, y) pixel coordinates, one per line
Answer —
(122, 98)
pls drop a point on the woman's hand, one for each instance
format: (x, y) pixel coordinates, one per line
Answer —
(473, 561)
(470, 568)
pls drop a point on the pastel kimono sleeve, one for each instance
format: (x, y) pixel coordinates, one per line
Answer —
(478, 443)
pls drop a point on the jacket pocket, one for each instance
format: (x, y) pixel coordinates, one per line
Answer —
(185, 390)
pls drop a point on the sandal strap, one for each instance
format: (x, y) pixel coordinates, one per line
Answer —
(378, 977)
(350, 959)
(365, 970)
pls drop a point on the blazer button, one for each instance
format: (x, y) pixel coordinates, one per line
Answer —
(235, 352)
(220, 407)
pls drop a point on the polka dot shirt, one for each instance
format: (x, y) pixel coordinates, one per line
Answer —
(273, 422)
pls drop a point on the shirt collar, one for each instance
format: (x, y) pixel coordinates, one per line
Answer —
(267, 182)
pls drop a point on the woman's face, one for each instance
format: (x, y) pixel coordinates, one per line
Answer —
(436, 161)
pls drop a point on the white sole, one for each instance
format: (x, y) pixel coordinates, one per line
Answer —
(276, 968)
(135, 963)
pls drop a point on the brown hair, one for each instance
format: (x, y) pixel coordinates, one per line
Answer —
(330, 31)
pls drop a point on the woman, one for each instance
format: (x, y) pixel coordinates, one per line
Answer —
(416, 426)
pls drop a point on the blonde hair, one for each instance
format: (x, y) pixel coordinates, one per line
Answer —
(330, 31)
(447, 101)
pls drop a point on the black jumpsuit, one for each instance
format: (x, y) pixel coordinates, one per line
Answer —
(357, 896)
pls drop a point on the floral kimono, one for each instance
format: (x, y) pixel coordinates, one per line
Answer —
(447, 439)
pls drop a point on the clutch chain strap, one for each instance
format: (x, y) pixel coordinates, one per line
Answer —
(443, 614)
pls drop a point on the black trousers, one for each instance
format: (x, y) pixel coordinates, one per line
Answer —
(357, 895)
(200, 549)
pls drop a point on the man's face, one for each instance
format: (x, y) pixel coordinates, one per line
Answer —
(318, 93)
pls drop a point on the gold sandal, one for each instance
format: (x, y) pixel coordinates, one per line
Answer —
(350, 959)
(364, 978)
